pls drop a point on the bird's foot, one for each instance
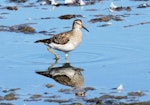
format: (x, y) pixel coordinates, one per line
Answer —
(56, 57)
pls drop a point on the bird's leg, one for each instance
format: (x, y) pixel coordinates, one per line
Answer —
(56, 56)
(52, 65)
(66, 57)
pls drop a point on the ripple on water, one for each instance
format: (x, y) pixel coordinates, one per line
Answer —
(85, 57)
(28, 59)
(103, 53)
(109, 53)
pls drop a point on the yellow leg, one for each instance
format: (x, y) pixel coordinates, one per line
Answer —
(52, 65)
(56, 56)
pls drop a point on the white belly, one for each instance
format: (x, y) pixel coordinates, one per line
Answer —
(74, 41)
(66, 47)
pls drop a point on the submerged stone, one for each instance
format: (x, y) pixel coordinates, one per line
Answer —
(18, 1)
(35, 96)
(10, 96)
(26, 29)
(12, 8)
(69, 16)
(49, 85)
(80, 94)
(106, 19)
(138, 93)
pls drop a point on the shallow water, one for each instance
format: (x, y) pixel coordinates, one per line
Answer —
(109, 56)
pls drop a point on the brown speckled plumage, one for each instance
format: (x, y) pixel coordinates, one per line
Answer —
(66, 41)
(61, 38)
(66, 75)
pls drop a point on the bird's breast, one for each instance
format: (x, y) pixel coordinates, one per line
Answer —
(74, 40)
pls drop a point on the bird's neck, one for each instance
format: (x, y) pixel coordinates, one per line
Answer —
(76, 28)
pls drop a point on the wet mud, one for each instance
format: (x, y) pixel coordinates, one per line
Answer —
(106, 19)
(142, 23)
(105, 99)
(23, 28)
(69, 16)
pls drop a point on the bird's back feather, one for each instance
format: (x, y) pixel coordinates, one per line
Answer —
(61, 38)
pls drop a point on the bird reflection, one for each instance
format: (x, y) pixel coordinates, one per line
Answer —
(65, 74)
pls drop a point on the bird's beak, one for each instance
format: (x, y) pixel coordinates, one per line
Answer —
(85, 28)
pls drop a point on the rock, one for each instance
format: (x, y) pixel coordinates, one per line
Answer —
(138, 93)
(80, 94)
(26, 29)
(18, 1)
(10, 96)
(49, 85)
(12, 8)
(106, 19)
(1, 98)
(69, 16)
(35, 96)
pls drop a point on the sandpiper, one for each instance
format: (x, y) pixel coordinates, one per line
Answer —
(66, 41)
(65, 74)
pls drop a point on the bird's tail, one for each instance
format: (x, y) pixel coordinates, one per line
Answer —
(43, 41)
(44, 73)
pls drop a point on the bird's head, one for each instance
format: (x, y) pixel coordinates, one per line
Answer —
(78, 24)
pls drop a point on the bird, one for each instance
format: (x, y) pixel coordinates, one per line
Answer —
(51, 2)
(65, 74)
(65, 41)
(120, 88)
(70, 1)
(81, 2)
(54, 3)
(112, 7)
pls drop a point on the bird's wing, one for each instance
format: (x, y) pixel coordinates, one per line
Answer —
(61, 38)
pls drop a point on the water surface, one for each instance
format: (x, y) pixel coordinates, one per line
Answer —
(109, 56)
